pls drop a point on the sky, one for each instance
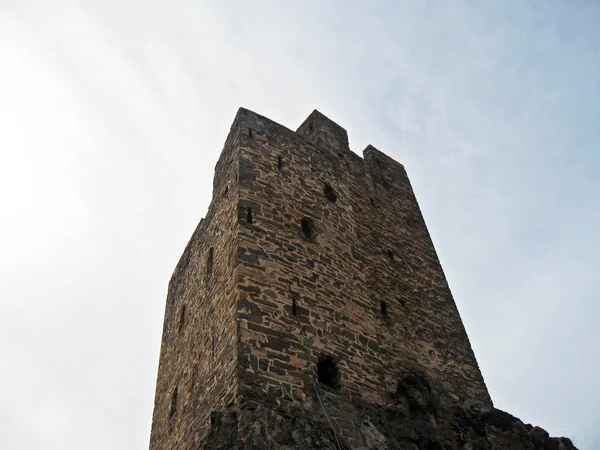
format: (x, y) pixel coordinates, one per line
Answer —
(113, 115)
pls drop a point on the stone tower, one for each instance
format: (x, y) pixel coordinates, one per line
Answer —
(312, 273)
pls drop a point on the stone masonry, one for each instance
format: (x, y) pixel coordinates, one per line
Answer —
(313, 281)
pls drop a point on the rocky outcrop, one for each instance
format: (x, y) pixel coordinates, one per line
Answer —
(418, 418)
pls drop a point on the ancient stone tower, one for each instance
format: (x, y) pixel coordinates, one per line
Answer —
(311, 287)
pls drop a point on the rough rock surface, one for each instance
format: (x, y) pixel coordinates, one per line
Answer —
(419, 418)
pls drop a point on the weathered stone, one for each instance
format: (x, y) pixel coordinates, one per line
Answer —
(365, 426)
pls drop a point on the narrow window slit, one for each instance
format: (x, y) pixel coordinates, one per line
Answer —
(249, 218)
(250, 133)
(215, 419)
(182, 317)
(384, 308)
(294, 304)
(279, 163)
(390, 254)
(173, 403)
(190, 385)
(210, 260)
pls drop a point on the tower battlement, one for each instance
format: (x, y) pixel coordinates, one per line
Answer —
(311, 262)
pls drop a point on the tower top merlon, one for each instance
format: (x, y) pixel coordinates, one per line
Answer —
(371, 154)
(383, 167)
(324, 132)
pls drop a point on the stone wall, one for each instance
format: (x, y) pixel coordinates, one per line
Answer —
(367, 287)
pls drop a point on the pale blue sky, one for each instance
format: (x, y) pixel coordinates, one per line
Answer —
(113, 114)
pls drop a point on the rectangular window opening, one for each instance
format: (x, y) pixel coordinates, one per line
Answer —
(308, 228)
(328, 372)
